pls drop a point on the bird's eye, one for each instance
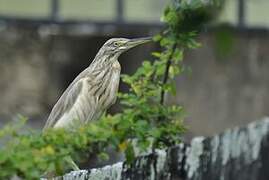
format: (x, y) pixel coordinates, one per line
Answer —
(117, 44)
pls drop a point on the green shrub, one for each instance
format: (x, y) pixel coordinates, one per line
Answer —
(144, 116)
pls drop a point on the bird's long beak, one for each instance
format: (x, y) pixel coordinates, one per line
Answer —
(138, 41)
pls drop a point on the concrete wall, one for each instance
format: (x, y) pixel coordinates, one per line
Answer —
(230, 90)
(35, 68)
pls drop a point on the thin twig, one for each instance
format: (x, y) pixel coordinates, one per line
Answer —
(166, 73)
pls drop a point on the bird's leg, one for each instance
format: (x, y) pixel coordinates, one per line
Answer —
(73, 165)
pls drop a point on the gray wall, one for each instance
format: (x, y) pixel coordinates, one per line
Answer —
(221, 92)
(226, 91)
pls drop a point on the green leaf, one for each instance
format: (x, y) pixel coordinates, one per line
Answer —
(103, 156)
(156, 54)
(157, 37)
(178, 55)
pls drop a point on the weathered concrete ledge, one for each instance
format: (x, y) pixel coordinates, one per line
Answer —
(236, 154)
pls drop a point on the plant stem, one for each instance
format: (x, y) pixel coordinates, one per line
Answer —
(166, 73)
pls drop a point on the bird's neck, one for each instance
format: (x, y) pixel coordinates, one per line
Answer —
(103, 61)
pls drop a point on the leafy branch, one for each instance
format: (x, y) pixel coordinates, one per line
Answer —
(165, 77)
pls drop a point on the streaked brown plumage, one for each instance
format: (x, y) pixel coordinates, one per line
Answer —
(93, 90)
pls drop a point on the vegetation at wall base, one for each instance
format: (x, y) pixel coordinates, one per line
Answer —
(145, 116)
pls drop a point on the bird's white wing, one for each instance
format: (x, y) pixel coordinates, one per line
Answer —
(65, 103)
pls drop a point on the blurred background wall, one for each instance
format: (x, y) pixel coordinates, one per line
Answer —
(45, 44)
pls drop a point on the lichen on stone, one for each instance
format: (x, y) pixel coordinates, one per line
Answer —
(161, 159)
(112, 172)
(214, 148)
(243, 143)
(193, 154)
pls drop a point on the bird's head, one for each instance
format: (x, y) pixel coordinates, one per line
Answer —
(116, 46)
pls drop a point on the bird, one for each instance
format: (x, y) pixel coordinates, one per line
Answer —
(95, 89)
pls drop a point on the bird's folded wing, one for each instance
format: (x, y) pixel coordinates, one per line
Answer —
(64, 104)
